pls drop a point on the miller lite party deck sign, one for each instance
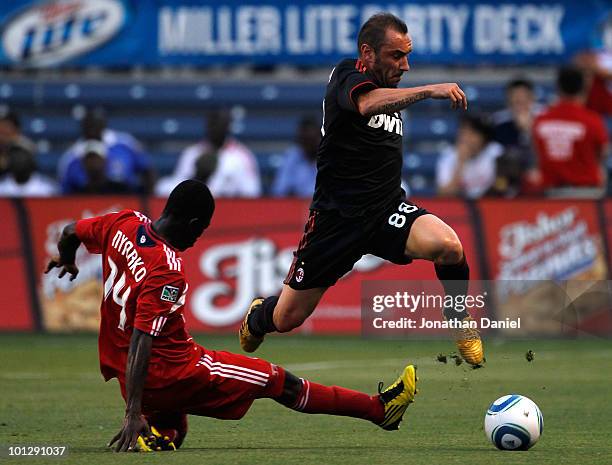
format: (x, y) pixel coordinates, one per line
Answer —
(123, 33)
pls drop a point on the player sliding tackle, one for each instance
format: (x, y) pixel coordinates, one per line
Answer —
(163, 374)
(359, 206)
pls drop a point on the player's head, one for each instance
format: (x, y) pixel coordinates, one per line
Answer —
(384, 45)
(570, 81)
(520, 95)
(187, 213)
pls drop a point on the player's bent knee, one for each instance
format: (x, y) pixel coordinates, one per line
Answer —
(451, 251)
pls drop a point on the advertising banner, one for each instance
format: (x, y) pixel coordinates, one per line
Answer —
(69, 305)
(119, 33)
(545, 255)
(16, 307)
(248, 250)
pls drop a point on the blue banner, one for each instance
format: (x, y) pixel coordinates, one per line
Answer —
(119, 33)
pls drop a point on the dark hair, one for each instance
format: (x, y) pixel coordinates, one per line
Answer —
(190, 199)
(519, 82)
(12, 117)
(374, 30)
(570, 80)
(480, 124)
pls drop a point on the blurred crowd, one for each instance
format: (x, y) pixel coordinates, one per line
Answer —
(556, 148)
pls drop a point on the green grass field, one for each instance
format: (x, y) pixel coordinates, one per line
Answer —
(52, 394)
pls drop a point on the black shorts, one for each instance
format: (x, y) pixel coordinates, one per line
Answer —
(332, 244)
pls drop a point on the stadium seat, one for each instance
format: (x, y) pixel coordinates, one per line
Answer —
(166, 116)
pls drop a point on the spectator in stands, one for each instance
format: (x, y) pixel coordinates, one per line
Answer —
(10, 135)
(224, 164)
(22, 180)
(298, 171)
(512, 126)
(570, 140)
(597, 67)
(94, 159)
(468, 168)
(126, 163)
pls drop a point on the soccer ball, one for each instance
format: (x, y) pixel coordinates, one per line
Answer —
(513, 422)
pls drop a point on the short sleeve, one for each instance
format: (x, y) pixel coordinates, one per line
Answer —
(352, 83)
(161, 296)
(90, 231)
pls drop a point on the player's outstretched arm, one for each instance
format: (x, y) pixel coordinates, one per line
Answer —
(134, 423)
(379, 101)
(67, 247)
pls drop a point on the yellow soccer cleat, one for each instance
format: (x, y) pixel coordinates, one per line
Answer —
(469, 344)
(397, 397)
(155, 443)
(248, 341)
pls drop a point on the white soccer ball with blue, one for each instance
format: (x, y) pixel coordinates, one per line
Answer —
(513, 422)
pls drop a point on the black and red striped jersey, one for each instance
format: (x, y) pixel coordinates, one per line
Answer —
(359, 161)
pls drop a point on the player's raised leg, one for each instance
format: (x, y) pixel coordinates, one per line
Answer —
(432, 239)
(277, 314)
(385, 409)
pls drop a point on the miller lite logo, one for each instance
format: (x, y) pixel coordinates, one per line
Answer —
(53, 32)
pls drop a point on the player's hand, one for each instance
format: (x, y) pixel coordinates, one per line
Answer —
(451, 91)
(70, 268)
(133, 426)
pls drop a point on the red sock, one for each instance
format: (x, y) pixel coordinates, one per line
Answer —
(335, 400)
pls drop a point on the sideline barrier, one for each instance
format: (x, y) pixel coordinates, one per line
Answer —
(248, 249)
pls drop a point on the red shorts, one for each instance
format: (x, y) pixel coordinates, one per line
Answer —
(220, 385)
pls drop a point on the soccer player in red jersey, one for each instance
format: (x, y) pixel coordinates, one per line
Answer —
(570, 140)
(163, 374)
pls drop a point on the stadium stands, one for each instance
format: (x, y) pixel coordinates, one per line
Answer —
(166, 117)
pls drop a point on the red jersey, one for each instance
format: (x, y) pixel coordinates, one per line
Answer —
(144, 288)
(569, 138)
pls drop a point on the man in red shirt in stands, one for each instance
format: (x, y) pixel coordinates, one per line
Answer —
(570, 140)
(163, 374)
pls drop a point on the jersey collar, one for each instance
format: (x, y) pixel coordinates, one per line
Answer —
(151, 232)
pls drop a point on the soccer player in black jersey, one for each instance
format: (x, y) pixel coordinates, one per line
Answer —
(359, 206)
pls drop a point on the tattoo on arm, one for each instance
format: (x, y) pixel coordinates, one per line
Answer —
(401, 104)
